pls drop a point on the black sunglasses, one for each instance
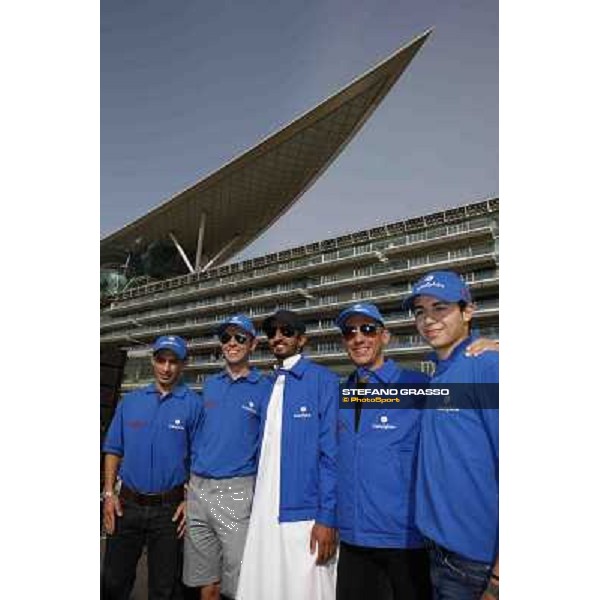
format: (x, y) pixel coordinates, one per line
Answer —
(240, 338)
(367, 329)
(285, 330)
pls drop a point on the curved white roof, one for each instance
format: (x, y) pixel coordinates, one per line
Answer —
(245, 196)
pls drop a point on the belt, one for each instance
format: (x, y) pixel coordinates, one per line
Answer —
(171, 497)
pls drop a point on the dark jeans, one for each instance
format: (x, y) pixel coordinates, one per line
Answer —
(141, 526)
(455, 577)
(382, 574)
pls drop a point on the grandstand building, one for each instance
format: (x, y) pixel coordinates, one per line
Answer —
(193, 289)
(316, 280)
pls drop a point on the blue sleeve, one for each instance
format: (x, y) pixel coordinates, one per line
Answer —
(263, 405)
(194, 425)
(196, 417)
(265, 387)
(490, 376)
(491, 424)
(417, 377)
(328, 407)
(113, 442)
(263, 402)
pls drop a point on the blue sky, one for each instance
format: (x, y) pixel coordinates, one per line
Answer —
(186, 85)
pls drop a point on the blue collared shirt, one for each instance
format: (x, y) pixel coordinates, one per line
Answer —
(457, 486)
(227, 442)
(153, 436)
(377, 467)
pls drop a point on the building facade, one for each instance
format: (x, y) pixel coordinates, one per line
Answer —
(317, 280)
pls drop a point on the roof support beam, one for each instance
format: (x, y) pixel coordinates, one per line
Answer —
(220, 253)
(181, 252)
(200, 241)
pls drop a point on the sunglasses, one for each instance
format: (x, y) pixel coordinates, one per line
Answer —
(285, 330)
(240, 338)
(367, 329)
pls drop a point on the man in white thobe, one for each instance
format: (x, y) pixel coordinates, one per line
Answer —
(291, 544)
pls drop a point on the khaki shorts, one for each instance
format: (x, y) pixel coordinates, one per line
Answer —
(217, 517)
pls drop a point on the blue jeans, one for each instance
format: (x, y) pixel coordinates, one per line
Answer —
(454, 577)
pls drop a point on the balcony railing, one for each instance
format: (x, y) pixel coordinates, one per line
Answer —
(389, 243)
(233, 302)
(383, 294)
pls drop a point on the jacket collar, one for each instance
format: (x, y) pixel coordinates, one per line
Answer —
(299, 367)
(179, 391)
(456, 353)
(387, 373)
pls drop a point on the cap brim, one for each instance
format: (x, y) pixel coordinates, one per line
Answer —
(409, 302)
(341, 320)
(299, 327)
(268, 322)
(223, 326)
(169, 349)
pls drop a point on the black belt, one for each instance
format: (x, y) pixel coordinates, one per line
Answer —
(177, 494)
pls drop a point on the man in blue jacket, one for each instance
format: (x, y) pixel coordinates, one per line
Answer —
(148, 446)
(381, 547)
(291, 539)
(219, 498)
(457, 484)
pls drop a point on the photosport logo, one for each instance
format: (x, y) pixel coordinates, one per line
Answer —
(448, 396)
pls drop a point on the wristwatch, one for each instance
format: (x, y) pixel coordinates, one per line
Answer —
(107, 494)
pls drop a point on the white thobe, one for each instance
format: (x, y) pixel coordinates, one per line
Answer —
(277, 563)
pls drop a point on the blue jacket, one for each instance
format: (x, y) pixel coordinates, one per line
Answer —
(377, 468)
(226, 443)
(308, 443)
(457, 488)
(153, 436)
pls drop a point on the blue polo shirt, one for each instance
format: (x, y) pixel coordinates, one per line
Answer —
(457, 483)
(227, 442)
(377, 467)
(153, 436)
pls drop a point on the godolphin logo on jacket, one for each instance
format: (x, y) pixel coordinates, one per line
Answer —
(177, 424)
(250, 406)
(304, 413)
(382, 423)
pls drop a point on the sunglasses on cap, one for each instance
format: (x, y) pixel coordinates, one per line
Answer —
(240, 338)
(367, 329)
(285, 330)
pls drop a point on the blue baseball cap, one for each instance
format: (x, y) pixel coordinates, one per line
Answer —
(366, 310)
(444, 285)
(241, 321)
(174, 343)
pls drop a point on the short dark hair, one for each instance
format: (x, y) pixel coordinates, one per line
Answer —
(462, 304)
